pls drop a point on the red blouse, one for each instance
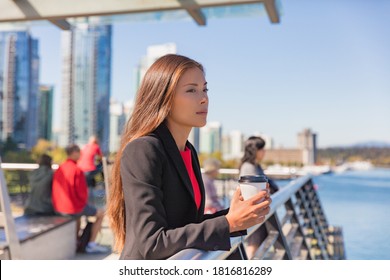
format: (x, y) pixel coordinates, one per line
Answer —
(186, 155)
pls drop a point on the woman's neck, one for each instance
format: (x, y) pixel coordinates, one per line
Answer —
(179, 133)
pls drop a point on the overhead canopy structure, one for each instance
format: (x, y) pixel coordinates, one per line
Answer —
(63, 12)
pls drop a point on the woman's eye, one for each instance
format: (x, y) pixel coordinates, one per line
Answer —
(195, 91)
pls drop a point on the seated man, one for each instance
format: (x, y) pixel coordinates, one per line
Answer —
(70, 196)
(39, 201)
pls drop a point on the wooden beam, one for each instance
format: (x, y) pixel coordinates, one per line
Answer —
(61, 23)
(28, 10)
(272, 11)
(194, 11)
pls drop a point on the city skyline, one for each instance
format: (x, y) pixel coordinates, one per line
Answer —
(324, 70)
(19, 87)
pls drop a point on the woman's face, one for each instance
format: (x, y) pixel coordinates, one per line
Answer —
(190, 103)
(260, 155)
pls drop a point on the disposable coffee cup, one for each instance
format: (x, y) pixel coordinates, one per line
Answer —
(251, 185)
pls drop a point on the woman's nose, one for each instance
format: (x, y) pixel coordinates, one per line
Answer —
(205, 98)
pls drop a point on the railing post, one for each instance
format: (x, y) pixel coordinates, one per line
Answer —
(281, 242)
(7, 221)
(295, 220)
(306, 207)
(106, 177)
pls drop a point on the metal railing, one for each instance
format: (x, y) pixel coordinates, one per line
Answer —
(301, 233)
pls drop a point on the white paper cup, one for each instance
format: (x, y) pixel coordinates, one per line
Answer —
(251, 185)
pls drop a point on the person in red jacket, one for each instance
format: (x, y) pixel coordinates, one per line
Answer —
(91, 153)
(70, 196)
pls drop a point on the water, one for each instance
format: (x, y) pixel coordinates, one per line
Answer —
(359, 202)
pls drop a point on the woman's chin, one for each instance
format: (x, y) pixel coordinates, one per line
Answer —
(200, 124)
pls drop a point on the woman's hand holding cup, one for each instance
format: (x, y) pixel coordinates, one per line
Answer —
(244, 214)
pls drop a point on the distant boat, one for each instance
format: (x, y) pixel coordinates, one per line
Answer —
(315, 170)
(341, 168)
(361, 165)
(283, 171)
(355, 165)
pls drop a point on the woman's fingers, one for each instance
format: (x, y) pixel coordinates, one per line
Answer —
(260, 219)
(263, 206)
(237, 195)
(261, 209)
(246, 213)
(264, 211)
(261, 195)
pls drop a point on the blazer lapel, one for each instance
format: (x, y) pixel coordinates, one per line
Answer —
(174, 153)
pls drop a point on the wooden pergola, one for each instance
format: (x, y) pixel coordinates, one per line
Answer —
(58, 12)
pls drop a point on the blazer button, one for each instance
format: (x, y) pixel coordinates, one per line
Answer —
(216, 247)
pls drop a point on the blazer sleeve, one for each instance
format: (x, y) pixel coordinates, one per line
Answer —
(142, 171)
(224, 212)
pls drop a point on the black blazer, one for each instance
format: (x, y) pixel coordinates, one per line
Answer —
(161, 215)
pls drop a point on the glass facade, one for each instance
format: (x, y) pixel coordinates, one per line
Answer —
(86, 80)
(211, 138)
(45, 116)
(19, 75)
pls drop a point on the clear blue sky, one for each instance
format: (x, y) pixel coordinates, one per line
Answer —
(326, 66)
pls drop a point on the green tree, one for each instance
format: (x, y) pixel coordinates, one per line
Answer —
(46, 147)
(58, 154)
(42, 147)
(8, 146)
(21, 156)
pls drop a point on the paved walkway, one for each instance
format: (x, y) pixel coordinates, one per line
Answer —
(105, 238)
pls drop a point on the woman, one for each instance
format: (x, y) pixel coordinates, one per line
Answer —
(156, 207)
(211, 168)
(250, 165)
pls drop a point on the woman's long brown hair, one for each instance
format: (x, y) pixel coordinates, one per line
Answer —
(152, 105)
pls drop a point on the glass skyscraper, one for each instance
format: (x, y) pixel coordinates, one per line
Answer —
(19, 85)
(211, 138)
(45, 117)
(86, 84)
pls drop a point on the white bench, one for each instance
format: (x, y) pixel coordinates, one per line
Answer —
(34, 237)
(42, 238)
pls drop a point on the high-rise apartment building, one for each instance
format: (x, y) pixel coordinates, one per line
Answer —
(233, 145)
(119, 114)
(307, 141)
(86, 79)
(194, 138)
(19, 83)
(211, 138)
(152, 54)
(45, 115)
